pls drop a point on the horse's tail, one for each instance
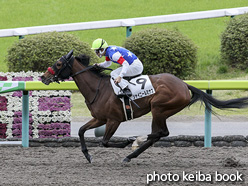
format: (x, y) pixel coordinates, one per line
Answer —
(198, 95)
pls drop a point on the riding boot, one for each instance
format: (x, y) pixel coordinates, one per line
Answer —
(125, 92)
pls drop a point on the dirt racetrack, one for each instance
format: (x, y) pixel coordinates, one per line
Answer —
(172, 166)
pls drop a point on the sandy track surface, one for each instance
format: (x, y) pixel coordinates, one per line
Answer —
(67, 166)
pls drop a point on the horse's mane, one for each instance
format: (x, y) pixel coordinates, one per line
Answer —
(85, 60)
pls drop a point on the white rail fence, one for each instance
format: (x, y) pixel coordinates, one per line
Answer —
(123, 22)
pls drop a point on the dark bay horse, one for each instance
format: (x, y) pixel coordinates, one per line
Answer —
(171, 96)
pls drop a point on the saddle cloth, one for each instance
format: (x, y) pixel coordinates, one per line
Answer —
(140, 87)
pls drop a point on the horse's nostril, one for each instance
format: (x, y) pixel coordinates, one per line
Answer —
(43, 80)
(46, 82)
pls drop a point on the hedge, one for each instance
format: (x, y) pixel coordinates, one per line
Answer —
(234, 42)
(37, 52)
(163, 50)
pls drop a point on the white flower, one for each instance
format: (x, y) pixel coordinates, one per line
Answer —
(9, 133)
(35, 118)
(48, 119)
(34, 112)
(35, 124)
(48, 112)
(9, 121)
(35, 133)
(10, 113)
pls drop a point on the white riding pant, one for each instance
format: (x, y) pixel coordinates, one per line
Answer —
(134, 69)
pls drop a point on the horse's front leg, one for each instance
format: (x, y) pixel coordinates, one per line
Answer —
(93, 123)
(111, 127)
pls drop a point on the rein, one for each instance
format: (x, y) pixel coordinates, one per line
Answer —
(97, 91)
(81, 71)
(99, 83)
(88, 68)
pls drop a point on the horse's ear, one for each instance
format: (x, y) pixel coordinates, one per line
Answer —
(68, 56)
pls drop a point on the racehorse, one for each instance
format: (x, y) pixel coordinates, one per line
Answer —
(171, 96)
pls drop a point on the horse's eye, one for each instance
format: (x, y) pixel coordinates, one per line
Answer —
(58, 64)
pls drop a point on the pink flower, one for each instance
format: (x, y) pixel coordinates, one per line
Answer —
(3, 103)
(54, 103)
(22, 79)
(3, 78)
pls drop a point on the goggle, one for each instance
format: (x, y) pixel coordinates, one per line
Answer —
(98, 50)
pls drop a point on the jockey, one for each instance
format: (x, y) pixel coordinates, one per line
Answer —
(130, 64)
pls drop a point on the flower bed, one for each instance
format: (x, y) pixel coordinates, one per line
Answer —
(49, 111)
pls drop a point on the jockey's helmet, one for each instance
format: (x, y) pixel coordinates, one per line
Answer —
(99, 45)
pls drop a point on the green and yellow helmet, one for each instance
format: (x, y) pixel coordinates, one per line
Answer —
(99, 44)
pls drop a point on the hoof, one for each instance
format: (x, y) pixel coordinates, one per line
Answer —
(131, 139)
(88, 157)
(126, 160)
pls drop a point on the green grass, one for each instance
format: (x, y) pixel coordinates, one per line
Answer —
(204, 33)
(79, 107)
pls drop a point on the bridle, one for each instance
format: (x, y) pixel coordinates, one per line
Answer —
(64, 72)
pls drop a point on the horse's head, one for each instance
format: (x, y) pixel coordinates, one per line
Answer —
(60, 70)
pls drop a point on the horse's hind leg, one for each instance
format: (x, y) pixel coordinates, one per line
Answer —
(159, 129)
(159, 126)
(93, 123)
